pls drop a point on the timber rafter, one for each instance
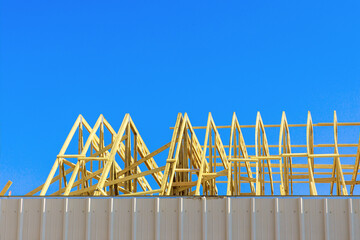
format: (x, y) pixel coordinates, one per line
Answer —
(111, 163)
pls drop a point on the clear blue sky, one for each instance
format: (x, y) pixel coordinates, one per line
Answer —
(155, 59)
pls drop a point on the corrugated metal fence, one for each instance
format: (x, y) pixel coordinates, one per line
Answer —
(179, 218)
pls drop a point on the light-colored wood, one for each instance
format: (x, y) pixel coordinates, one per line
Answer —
(330, 124)
(310, 151)
(144, 151)
(87, 145)
(204, 170)
(285, 152)
(208, 169)
(176, 154)
(337, 164)
(169, 161)
(6, 188)
(356, 168)
(113, 152)
(263, 149)
(62, 151)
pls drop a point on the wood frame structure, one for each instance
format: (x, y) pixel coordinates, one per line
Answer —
(125, 166)
(96, 170)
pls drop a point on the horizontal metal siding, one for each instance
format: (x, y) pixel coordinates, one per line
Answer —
(179, 218)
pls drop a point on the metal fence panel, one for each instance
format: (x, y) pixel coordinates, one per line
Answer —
(179, 218)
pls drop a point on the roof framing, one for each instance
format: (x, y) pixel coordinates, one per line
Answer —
(125, 166)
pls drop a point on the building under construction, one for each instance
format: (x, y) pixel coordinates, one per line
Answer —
(194, 166)
(216, 163)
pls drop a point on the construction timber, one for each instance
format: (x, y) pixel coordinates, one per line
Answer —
(112, 163)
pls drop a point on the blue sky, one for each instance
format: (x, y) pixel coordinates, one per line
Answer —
(155, 59)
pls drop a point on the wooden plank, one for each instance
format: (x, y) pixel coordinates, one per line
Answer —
(62, 151)
(177, 152)
(144, 159)
(84, 150)
(310, 150)
(339, 172)
(164, 183)
(355, 169)
(5, 188)
(187, 158)
(113, 152)
(203, 159)
(144, 151)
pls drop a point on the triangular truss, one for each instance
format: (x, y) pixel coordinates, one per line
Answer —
(185, 162)
(238, 156)
(96, 169)
(110, 163)
(285, 166)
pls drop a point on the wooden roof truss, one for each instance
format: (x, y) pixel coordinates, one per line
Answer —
(110, 163)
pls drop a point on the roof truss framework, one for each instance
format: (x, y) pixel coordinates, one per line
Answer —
(96, 169)
(186, 161)
(285, 166)
(111, 163)
(238, 155)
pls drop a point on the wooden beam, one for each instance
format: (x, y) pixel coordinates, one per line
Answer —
(310, 150)
(188, 167)
(62, 151)
(6, 188)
